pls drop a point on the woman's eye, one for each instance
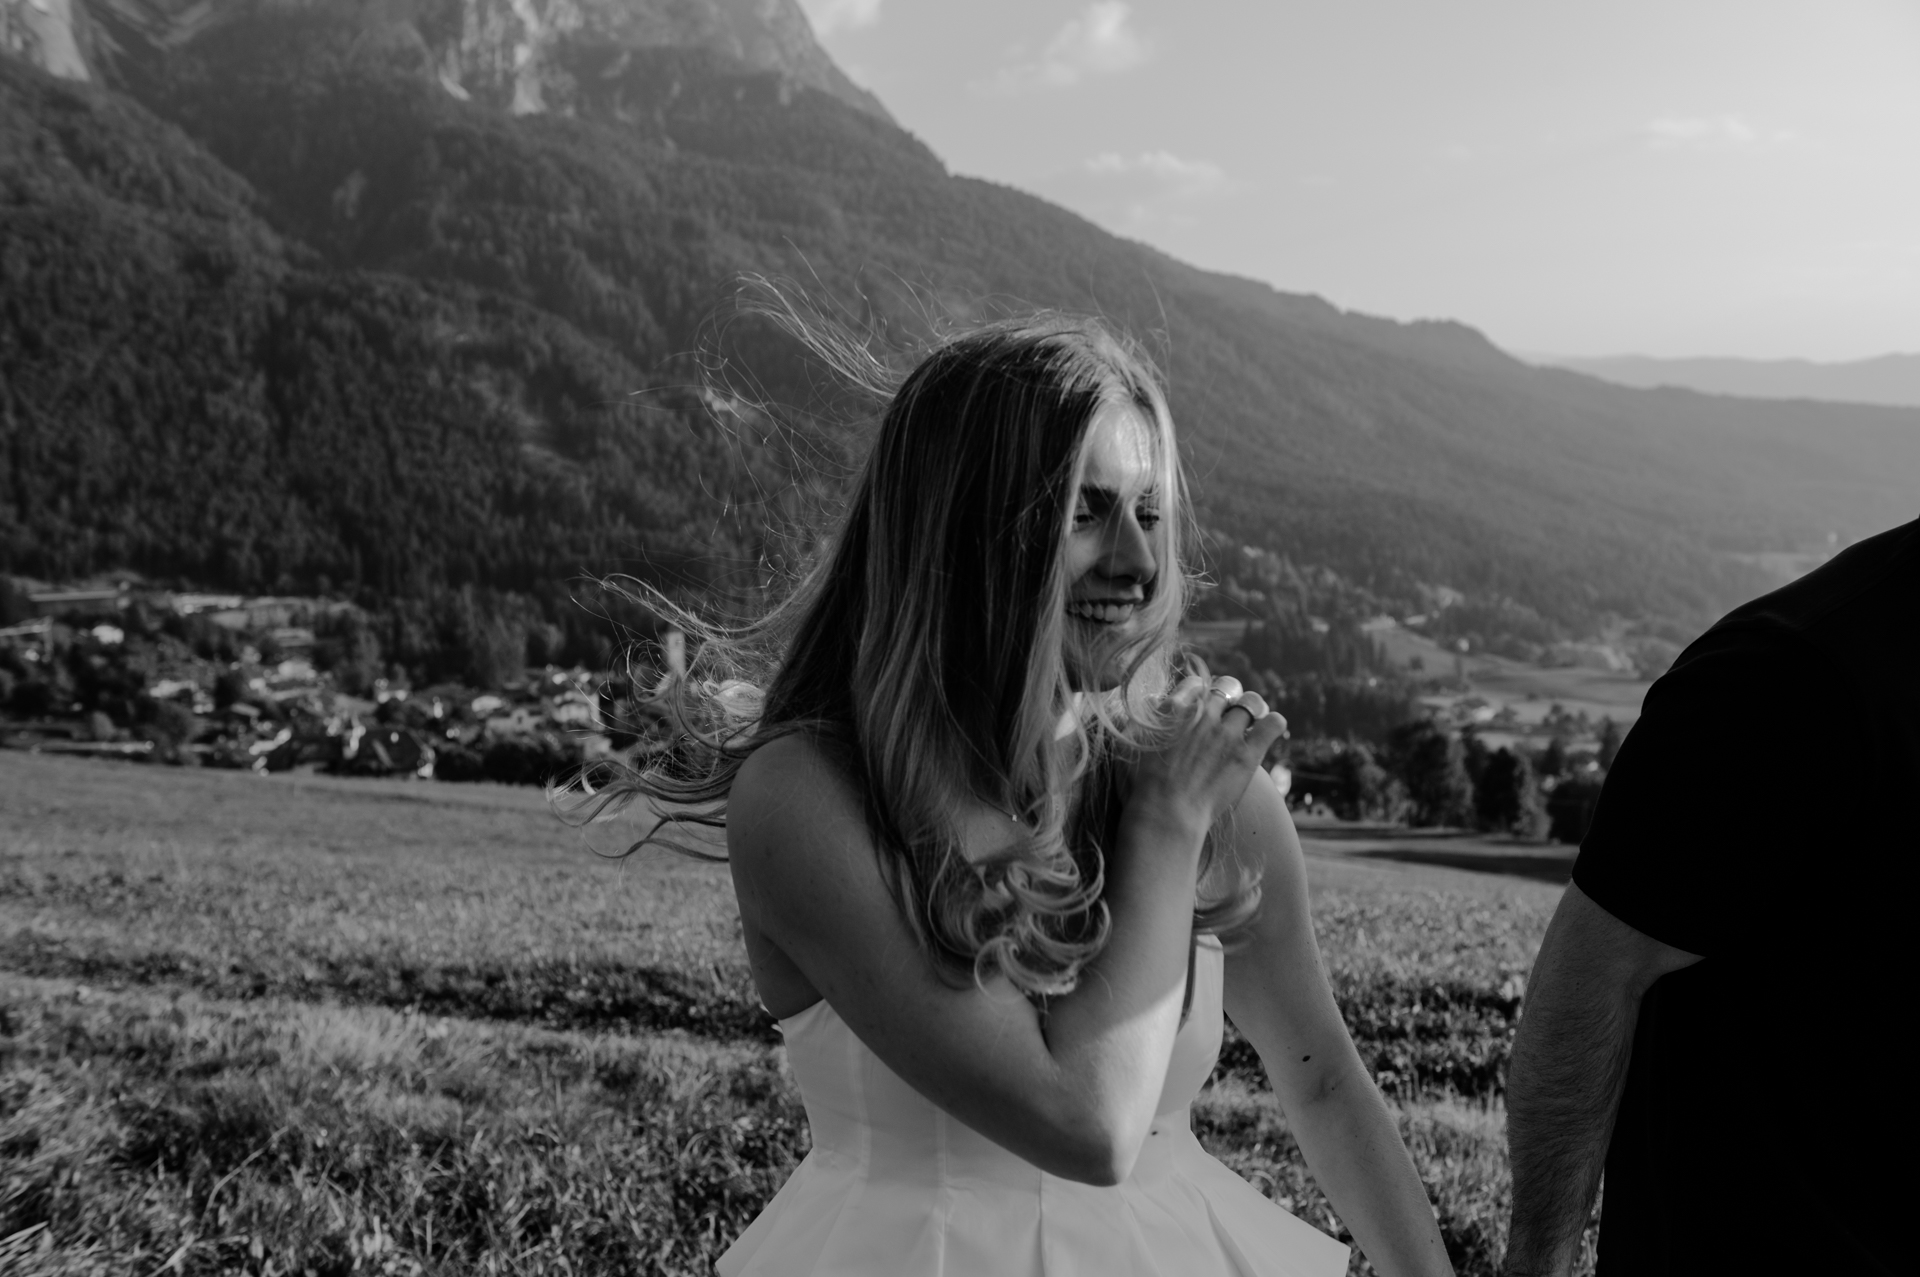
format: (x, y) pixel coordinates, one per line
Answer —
(1084, 518)
(1147, 518)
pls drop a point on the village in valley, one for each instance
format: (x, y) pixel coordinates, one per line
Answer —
(119, 670)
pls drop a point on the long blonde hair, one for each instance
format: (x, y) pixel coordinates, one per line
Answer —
(923, 653)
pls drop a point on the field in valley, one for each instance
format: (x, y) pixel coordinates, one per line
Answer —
(290, 1025)
(1530, 692)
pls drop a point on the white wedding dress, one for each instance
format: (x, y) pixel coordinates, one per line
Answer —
(894, 1187)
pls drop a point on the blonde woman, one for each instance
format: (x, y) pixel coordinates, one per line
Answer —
(987, 845)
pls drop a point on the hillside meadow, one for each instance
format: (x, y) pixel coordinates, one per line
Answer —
(295, 1025)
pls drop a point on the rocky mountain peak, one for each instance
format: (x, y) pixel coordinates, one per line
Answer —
(500, 51)
(43, 33)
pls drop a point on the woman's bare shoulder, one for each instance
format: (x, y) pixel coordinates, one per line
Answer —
(790, 760)
(791, 788)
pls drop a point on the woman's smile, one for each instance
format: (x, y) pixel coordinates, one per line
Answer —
(1103, 611)
(1111, 550)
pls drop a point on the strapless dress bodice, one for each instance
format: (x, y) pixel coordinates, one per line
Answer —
(896, 1187)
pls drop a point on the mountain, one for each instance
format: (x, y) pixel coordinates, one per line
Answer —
(509, 54)
(287, 300)
(1888, 379)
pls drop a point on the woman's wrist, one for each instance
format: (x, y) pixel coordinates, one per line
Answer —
(1164, 819)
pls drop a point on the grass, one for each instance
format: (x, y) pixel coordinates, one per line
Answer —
(287, 1026)
(468, 901)
(281, 1137)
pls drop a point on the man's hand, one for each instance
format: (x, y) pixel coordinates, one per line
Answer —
(1569, 1069)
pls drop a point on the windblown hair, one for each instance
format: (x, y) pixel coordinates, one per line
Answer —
(923, 653)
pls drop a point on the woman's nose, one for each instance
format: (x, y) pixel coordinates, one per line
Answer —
(1129, 552)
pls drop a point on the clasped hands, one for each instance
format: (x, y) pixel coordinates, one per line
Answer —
(1204, 764)
(1224, 693)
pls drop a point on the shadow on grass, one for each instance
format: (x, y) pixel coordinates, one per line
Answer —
(1375, 831)
(719, 1004)
(722, 1005)
(1554, 867)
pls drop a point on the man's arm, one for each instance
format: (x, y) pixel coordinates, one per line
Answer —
(1569, 1069)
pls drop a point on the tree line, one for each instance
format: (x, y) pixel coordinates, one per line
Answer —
(1427, 776)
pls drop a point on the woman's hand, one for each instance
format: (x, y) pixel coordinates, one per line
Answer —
(1220, 737)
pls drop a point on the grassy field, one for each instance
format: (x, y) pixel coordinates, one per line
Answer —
(290, 1025)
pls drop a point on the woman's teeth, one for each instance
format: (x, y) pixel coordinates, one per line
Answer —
(1105, 613)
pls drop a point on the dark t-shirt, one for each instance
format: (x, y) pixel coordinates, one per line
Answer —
(1765, 814)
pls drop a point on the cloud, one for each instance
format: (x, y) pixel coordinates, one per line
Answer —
(1147, 193)
(1711, 132)
(1171, 175)
(1100, 41)
(829, 16)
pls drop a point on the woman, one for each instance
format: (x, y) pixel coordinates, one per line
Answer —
(985, 847)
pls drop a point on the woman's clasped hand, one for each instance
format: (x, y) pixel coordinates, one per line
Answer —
(1219, 737)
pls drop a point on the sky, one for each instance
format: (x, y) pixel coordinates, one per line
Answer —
(1662, 177)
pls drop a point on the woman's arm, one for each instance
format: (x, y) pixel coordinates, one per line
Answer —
(1277, 995)
(1073, 1093)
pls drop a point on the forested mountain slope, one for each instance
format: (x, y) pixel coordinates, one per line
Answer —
(282, 305)
(186, 392)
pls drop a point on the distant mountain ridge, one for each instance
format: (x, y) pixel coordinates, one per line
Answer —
(284, 308)
(1892, 380)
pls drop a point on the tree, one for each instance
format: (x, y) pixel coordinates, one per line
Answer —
(347, 647)
(1343, 774)
(1570, 807)
(1427, 760)
(1552, 762)
(533, 759)
(1361, 786)
(15, 605)
(1610, 737)
(1505, 797)
(229, 688)
(1473, 755)
(170, 726)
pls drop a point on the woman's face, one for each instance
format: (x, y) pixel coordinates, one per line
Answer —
(1111, 545)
